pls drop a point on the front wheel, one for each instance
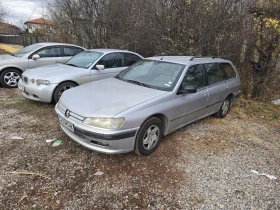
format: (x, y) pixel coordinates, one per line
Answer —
(61, 89)
(224, 109)
(148, 137)
(9, 78)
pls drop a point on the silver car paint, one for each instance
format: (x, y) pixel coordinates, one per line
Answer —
(176, 110)
(59, 73)
(23, 63)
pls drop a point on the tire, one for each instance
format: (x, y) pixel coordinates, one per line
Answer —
(147, 147)
(9, 77)
(224, 109)
(61, 88)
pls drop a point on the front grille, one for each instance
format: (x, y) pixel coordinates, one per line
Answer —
(63, 110)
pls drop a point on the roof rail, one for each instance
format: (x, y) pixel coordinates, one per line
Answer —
(213, 57)
(170, 54)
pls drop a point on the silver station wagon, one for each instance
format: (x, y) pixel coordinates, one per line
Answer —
(32, 56)
(46, 84)
(150, 99)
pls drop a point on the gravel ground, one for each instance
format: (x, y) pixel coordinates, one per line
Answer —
(206, 165)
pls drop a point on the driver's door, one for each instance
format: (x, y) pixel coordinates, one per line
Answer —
(48, 56)
(113, 64)
(191, 106)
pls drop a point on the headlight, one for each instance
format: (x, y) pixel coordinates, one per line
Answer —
(108, 123)
(42, 82)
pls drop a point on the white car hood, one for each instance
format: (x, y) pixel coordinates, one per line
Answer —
(52, 71)
(106, 98)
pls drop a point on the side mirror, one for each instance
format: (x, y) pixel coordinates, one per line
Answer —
(188, 89)
(36, 57)
(100, 67)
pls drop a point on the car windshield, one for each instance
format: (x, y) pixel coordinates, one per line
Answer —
(84, 59)
(154, 74)
(26, 50)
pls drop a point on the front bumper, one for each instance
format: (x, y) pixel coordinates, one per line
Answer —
(103, 141)
(41, 93)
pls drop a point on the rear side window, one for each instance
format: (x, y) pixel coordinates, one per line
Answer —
(112, 60)
(228, 69)
(214, 73)
(71, 51)
(130, 59)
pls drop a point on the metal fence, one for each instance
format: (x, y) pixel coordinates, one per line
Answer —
(23, 40)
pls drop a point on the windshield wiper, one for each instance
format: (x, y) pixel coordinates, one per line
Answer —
(137, 82)
(70, 64)
(119, 77)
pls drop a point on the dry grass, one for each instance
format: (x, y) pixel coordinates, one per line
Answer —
(10, 48)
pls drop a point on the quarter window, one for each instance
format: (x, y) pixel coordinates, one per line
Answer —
(130, 59)
(214, 73)
(194, 76)
(112, 60)
(228, 69)
(49, 52)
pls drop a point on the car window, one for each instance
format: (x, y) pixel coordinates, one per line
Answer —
(49, 52)
(154, 74)
(26, 50)
(130, 59)
(112, 60)
(71, 51)
(228, 69)
(214, 73)
(194, 76)
(84, 59)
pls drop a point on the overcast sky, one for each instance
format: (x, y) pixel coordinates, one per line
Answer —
(20, 11)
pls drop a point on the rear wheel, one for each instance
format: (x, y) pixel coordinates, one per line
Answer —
(9, 77)
(224, 109)
(148, 137)
(60, 89)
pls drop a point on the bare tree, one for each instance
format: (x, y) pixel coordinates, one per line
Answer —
(3, 11)
(240, 30)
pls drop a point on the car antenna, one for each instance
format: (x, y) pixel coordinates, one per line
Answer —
(162, 57)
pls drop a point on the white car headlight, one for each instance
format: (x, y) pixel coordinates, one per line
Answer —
(107, 123)
(42, 82)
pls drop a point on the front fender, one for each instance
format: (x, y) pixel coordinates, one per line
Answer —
(11, 66)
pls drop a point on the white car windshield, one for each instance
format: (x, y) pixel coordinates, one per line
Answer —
(84, 59)
(26, 50)
(154, 74)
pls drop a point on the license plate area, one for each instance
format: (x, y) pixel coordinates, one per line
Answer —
(21, 87)
(65, 123)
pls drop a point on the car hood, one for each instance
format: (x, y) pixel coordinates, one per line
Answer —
(106, 98)
(5, 57)
(51, 71)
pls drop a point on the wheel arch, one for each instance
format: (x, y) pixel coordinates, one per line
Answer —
(163, 119)
(60, 84)
(11, 67)
(231, 98)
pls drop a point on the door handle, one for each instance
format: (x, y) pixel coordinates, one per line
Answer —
(203, 94)
(226, 86)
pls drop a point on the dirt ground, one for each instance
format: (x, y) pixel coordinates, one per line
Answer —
(206, 165)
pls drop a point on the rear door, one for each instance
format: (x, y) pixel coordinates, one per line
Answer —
(48, 55)
(113, 64)
(191, 106)
(218, 87)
